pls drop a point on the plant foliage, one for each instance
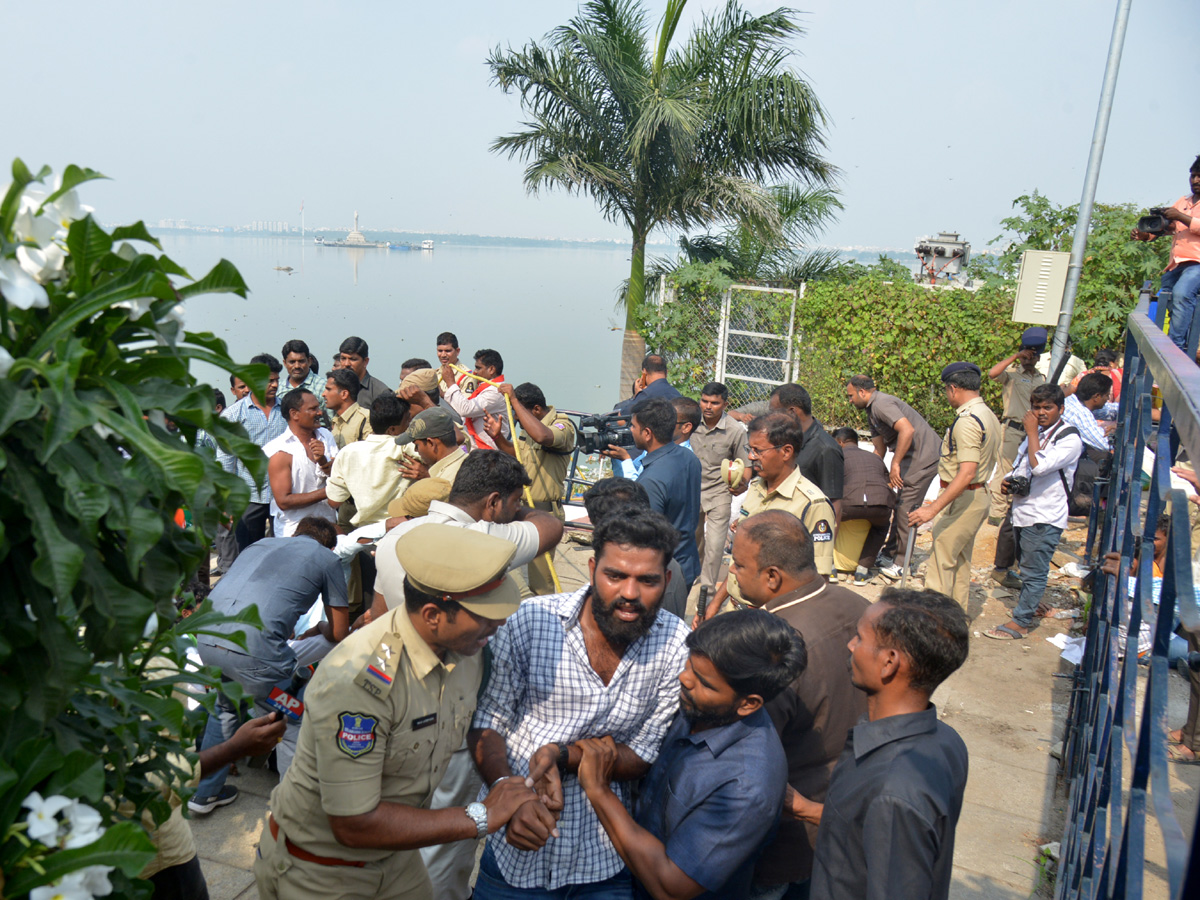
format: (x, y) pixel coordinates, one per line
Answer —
(100, 446)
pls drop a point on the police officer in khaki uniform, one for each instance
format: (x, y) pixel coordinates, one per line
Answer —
(546, 447)
(774, 440)
(1019, 376)
(383, 713)
(969, 451)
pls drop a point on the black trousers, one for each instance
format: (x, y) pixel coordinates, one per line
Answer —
(252, 526)
(1007, 552)
(182, 882)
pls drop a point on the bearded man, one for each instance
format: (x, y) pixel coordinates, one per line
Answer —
(599, 661)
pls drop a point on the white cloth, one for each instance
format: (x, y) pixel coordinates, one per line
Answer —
(1046, 502)
(489, 400)
(389, 574)
(306, 476)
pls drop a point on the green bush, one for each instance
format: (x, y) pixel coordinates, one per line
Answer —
(99, 426)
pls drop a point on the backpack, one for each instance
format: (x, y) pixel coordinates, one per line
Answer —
(1093, 464)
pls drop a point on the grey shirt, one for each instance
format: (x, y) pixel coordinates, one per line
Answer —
(884, 411)
(725, 440)
(891, 810)
(371, 389)
(282, 577)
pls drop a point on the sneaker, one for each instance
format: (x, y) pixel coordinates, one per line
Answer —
(882, 561)
(892, 572)
(862, 578)
(204, 805)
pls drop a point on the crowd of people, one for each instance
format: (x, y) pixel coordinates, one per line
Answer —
(715, 712)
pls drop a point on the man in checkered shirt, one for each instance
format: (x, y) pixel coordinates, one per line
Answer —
(600, 661)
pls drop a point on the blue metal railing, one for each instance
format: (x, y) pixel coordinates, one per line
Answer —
(1103, 846)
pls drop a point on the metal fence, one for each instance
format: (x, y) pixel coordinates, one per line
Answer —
(755, 341)
(1103, 846)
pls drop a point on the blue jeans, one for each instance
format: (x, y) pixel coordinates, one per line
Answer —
(1037, 543)
(490, 885)
(1183, 284)
(256, 678)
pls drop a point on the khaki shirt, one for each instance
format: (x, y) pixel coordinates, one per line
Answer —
(382, 716)
(415, 501)
(804, 500)
(350, 425)
(369, 472)
(725, 440)
(1018, 383)
(971, 443)
(547, 466)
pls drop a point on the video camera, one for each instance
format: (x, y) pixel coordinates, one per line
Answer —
(1156, 223)
(597, 432)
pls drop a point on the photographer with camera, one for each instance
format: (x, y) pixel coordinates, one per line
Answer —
(1038, 485)
(1181, 280)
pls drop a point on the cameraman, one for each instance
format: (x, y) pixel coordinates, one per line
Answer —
(1038, 485)
(1181, 280)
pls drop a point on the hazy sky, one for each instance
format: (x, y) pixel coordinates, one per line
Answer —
(940, 113)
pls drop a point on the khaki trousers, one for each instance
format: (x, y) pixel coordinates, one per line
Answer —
(711, 535)
(540, 580)
(1008, 456)
(281, 876)
(949, 569)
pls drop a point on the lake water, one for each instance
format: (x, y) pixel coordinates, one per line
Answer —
(549, 312)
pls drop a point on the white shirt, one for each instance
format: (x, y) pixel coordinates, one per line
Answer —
(369, 471)
(1046, 503)
(389, 577)
(306, 476)
(489, 400)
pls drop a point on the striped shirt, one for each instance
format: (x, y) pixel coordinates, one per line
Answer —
(261, 428)
(543, 689)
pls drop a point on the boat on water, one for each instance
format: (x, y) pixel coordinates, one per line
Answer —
(426, 245)
(354, 239)
(396, 245)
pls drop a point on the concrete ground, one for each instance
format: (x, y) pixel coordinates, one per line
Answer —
(1005, 702)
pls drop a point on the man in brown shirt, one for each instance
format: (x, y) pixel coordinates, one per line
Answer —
(1019, 376)
(773, 560)
(718, 437)
(898, 427)
(867, 504)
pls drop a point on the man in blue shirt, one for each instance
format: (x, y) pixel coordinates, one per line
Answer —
(651, 383)
(714, 795)
(671, 477)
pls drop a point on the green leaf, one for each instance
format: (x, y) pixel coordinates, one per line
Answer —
(222, 278)
(184, 469)
(59, 561)
(81, 775)
(73, 176)
(124, 846)
(33, 760)
(135, 232)
(86, 243)
(16, 405)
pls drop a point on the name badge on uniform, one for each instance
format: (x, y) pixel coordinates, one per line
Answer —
(822, 532)
(424, 721)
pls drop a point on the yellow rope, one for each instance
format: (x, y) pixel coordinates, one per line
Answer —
(512, 430)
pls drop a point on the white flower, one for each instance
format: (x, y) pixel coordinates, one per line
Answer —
(29, 226)
(72, 886)
(43, 264)
(137, 308)
(151, 628)
(95, 880)
(65, 210)
(42, 819)
(83, 825)
(174, 314)
(6, 362)
(20, 288)
(103, 430)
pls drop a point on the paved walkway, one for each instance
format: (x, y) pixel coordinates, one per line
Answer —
(1005, 702)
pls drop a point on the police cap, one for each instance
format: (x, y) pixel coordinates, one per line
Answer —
(428, 423)
(1034, 339)
(463, 565)
(425, 379)
(955, 367)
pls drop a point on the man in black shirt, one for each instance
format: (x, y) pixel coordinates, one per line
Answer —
(820, 456)
(887, 826)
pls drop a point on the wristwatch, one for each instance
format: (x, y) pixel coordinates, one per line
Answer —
(478, 814)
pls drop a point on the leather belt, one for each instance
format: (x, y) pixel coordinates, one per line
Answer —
(1013, 423)
(970, 487)
(301, 853)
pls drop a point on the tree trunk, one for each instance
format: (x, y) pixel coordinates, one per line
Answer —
(633, 349)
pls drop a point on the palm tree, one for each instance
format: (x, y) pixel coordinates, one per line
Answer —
(664, 136)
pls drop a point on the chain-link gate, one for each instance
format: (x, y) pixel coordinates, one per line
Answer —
(754, 343)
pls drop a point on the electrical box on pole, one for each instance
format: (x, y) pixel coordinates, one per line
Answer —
(1040, 285)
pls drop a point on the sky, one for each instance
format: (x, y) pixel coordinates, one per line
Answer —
(940, 114)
